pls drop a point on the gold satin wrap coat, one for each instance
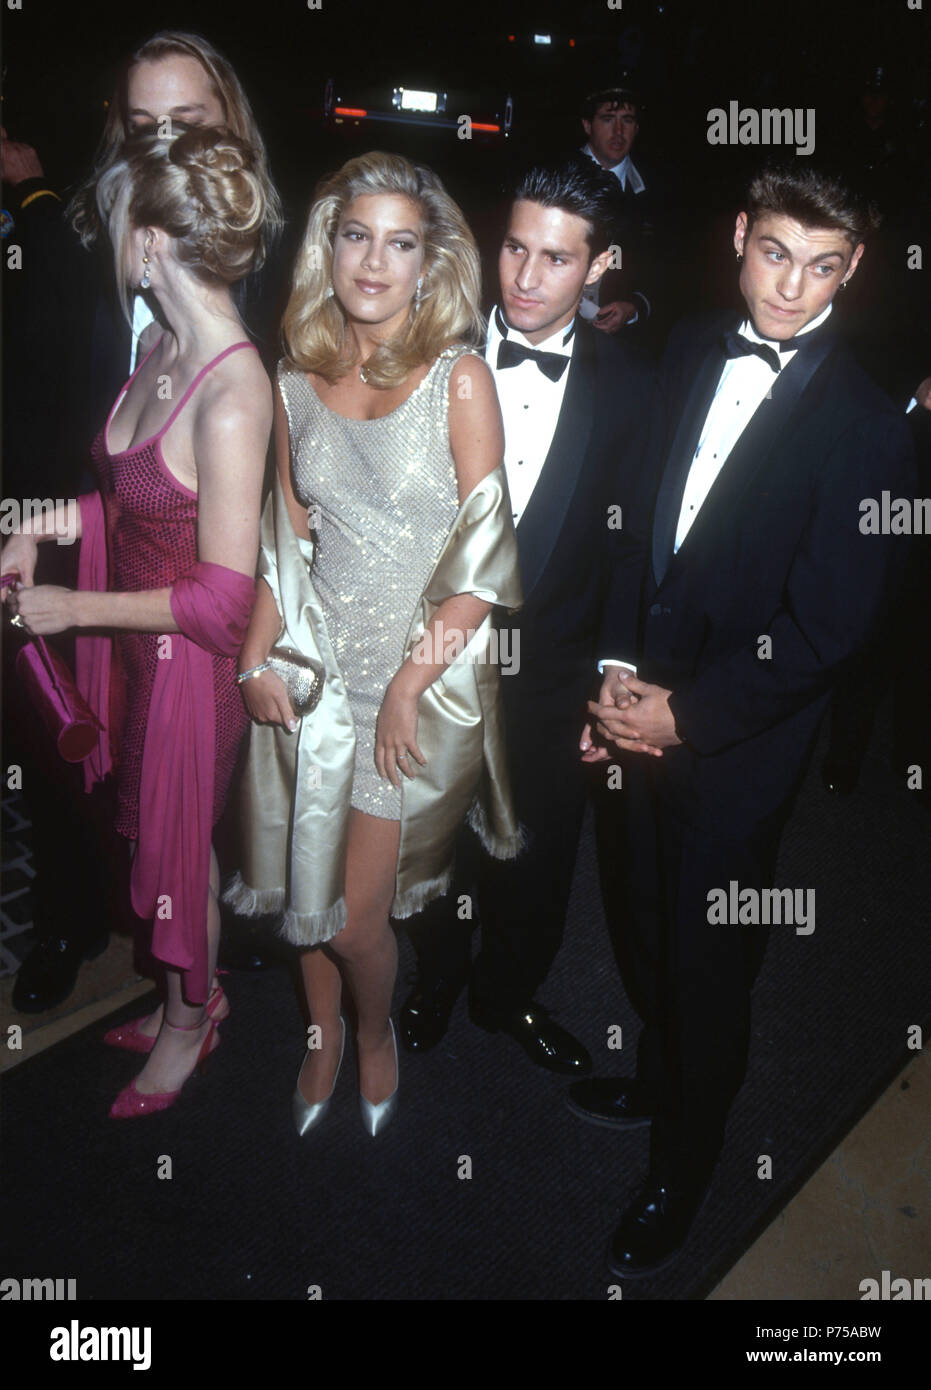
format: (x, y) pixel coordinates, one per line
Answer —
(296, 788)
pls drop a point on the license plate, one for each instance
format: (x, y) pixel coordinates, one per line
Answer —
(418, 101)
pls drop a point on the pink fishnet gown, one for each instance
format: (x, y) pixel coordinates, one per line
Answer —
(151, 542)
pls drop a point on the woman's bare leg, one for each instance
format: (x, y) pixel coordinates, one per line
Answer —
(173, 1057)
(150, 1027)
(323, 989)
(366, 947)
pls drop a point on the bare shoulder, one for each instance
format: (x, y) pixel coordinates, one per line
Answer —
(237, 394)
(476, 433)
(472, 390)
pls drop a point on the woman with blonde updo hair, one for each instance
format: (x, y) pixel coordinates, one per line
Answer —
(167, 564)
(386, 544)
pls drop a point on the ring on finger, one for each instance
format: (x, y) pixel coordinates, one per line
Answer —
(17, 620)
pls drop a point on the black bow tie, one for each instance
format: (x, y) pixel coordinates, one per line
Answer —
(511, 354)
(736, 345)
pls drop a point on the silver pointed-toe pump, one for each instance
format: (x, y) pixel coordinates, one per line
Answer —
(307, 1115)
(376, 1117)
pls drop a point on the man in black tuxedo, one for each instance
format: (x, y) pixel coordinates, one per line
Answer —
(580, 428)
(761, 590)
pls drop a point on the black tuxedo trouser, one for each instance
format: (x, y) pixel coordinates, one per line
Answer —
(520, 903)
(690, 981)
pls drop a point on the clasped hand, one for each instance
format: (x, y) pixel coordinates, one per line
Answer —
(630, 713)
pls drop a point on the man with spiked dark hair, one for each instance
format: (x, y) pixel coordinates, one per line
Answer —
(763, 588)
(580, 420)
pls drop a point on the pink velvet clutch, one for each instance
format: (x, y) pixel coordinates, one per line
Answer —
(51, 689)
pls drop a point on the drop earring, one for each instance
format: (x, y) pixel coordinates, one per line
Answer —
(740, 256)
(417, 293)
(146, 280)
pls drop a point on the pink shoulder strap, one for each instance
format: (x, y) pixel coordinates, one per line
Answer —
(198, 379)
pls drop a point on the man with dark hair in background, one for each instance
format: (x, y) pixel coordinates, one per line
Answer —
(580, 419)
(611, 121)
(762, 591)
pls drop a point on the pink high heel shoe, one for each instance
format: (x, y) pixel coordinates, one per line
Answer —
(131, 1103)
(128, 1037)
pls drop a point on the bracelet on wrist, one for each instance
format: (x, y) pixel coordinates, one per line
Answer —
(253, 671)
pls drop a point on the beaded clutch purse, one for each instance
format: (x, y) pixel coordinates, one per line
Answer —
(303, 677)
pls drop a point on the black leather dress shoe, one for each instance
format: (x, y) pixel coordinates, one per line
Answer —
(616, 1101)
(425, 1013)
(654, 1228)
(48, 974)
(544, 1041)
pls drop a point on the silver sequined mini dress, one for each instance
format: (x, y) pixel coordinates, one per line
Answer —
(386, 497)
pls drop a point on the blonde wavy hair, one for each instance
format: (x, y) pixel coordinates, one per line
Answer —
(202, 187)
(237, 116)
(314, 325)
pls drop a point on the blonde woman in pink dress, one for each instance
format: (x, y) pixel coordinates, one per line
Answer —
(167, 563)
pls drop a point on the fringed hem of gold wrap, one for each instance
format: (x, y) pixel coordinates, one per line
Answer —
(459, 727)
(498, 846)
(295, 843)
(301, 929)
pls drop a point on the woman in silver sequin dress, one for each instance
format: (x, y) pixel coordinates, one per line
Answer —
(385, 423)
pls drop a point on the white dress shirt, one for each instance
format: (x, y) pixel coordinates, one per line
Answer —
(530, 406)
(742, 385)
(624, 172)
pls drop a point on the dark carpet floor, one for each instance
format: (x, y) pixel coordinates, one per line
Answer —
(252, 1212)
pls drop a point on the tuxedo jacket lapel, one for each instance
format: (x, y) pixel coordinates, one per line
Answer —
(679, 459)
(763, 431)
(539, 526)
